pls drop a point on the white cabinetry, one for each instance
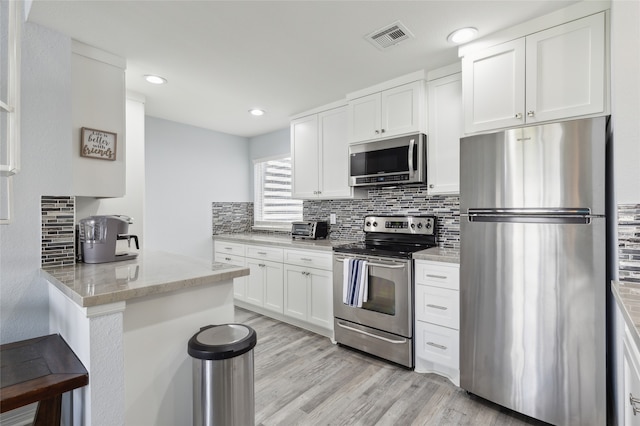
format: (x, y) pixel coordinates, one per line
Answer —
(308, 292)
(395, 111)
(264, 284)
(554, 74)
(319, 152)
(445, 129)
(627, 362)
(98, 102)
(290, 285)
(233, 254)
(437, 324)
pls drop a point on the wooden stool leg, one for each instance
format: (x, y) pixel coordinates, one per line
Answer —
(49, 411)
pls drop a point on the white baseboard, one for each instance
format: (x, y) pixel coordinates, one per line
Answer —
(20, 416)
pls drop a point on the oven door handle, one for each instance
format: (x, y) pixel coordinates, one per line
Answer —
(382, 265)
(412, 144)
(397, 342)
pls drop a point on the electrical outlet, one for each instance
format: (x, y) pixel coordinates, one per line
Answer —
(332, 219)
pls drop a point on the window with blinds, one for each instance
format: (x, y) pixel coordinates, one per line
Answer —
(273, 205)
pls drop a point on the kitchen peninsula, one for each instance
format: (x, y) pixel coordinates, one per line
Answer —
(129, 323)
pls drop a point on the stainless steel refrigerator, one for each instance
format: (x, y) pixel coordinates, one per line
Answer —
(533, 270)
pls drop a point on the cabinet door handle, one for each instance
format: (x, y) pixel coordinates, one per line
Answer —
(377, 132)
(431, 185)
(229, 248)
(264, 253)
(435, 345)
(530, 114)
(306, 259)
(443, 308)
(262, 265)
(633, 401)
(519, 115)
(227, 259)
(440, 277)
(382, 131)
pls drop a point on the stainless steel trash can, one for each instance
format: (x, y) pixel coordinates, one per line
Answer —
(223, 387)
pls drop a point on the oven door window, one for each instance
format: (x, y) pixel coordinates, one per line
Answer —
(382, 296)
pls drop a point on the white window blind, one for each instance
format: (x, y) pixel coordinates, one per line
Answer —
(273, 206)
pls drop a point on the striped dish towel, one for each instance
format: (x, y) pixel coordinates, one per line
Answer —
(355, 286)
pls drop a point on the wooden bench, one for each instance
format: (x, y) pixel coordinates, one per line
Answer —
(39, 370)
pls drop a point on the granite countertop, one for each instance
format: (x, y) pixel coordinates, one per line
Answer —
(281, 241)
(627, 295)
(150, 273)
(438, 254)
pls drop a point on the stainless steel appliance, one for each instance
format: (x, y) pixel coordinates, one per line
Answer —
(533, 278)
(394, 161)
(311, 229)
(98, 236)
(383, 326)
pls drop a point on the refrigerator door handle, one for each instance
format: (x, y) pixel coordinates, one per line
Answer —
(531, 212)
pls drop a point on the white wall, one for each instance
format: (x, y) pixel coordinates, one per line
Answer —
(268, 145)
(625, 98)
(46, 170)
(187, 168)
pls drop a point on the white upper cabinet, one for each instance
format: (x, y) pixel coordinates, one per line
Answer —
(553, 74)
(445, 129)
(392, 112)
(319, 153)
(304, 157)
(98, 102)
(565, 74)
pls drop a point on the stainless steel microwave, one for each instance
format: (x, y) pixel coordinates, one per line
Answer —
(396, 161)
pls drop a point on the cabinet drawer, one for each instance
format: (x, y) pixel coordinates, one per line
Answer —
(262, 252)
(312, 259)
(229, 258)
(439, 306)
(229, 248)
(437, 274)
(437, 344)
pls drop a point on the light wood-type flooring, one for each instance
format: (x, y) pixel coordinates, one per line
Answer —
(301, 378)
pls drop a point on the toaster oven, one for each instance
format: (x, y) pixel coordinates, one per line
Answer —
(312, 229)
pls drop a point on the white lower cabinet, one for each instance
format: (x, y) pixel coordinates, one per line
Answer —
(437, 311)
(308, 295)
(290, 285)
(631, 370)
(264, 283)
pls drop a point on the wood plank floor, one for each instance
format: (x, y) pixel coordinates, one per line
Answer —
(301, 378)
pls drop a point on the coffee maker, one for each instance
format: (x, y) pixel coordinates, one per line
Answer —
(98, 235)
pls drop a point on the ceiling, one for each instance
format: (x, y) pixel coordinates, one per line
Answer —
(222, 58)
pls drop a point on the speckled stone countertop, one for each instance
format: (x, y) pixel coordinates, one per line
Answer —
(150, 273)
(438, 254)
(281, 241)
(627, 295)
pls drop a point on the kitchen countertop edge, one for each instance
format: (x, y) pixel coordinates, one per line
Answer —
(218, 272)
(284, 241)
(627, 296)
(438, 254)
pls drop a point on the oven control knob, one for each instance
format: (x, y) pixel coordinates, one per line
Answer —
(375, 224)
(428, 225)
(413, 225)
(419, 225)
(368, 224)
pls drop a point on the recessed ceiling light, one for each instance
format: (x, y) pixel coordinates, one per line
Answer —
(256, 112)
(155, 79)
(462, 35)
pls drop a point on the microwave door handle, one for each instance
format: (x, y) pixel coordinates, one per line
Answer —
(412, 146)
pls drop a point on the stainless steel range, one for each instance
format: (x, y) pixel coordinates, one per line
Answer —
(379, 319)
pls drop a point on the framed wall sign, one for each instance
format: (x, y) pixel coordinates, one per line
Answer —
(98, 144)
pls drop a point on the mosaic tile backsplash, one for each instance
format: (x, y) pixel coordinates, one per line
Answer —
(58, 226)
(629, 242)
(406, 200)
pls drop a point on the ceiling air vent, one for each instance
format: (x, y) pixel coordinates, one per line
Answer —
(389, 35)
